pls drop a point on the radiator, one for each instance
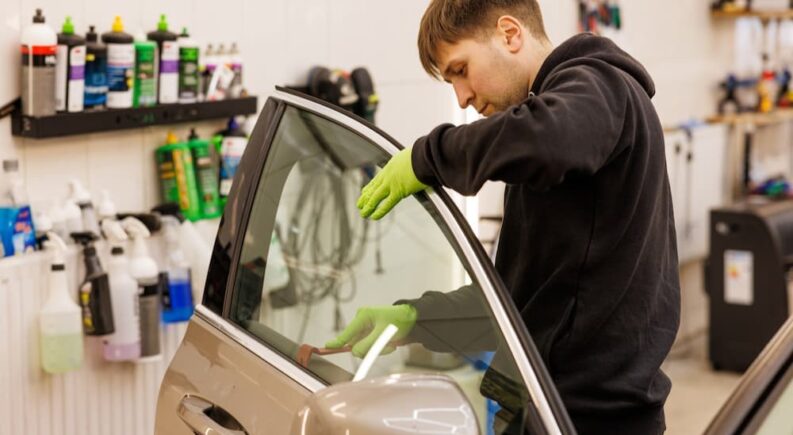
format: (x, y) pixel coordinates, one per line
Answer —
(101, 398)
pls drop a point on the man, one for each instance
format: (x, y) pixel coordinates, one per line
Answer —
(587, 247)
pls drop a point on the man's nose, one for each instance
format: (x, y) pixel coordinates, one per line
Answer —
(464, 95)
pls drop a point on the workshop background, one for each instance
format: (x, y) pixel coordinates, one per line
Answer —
(688, 49)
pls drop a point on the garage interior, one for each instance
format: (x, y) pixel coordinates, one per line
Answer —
(722, 76)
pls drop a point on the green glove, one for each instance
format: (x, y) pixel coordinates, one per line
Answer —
(369, 323)
(392, 184)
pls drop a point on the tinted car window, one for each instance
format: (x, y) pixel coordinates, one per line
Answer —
(309, 262)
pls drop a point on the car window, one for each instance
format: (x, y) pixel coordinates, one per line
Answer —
(777, 410)
(309, 262)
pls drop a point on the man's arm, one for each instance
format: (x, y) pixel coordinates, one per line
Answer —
(574, 125)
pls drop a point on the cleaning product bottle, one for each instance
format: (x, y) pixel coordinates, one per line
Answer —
(39, 46)
(70, 69)
(124, 343)
(206, 171)
(59, 318)
(94, 293)
(145, 92)
(95, 71)
(178, 302)
(106, 210)
(73, 216)
(16, 218)
(145, 271)
(177, 176)
(82, 198)
(55, 213)
(231, 150)
(208, 65)
(235, 63)
(188, 68)
(120, 66)
(168, 57)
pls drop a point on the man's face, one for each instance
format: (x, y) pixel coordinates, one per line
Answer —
(484, 74)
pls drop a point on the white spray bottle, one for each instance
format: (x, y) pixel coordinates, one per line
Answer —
(146, 273)
(60, 321)
(124, 343)
(82, 198)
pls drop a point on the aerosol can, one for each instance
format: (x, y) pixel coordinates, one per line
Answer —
(145, 271)
(59, 319)
(124, 343)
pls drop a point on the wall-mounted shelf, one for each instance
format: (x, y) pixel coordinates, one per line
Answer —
(757, 119)
(763, 15)
(66, 124)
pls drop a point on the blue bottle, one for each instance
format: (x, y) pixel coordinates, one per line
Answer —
(95, 71)
(176, 285)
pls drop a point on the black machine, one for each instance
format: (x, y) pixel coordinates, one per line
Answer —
(746, 277)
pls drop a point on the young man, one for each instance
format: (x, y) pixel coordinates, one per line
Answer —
(587, 246)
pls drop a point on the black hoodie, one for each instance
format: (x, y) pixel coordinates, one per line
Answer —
(587, 247)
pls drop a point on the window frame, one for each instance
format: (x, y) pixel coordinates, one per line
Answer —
(546, 400)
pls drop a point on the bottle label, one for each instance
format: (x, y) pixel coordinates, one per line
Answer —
(85, 304)
(169, 72)
(145, 78)
(188, 74)
(76, 85)
(38, 79)
(120, 66)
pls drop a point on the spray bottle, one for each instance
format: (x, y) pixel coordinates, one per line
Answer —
(94, 293)
(70, 77)
(39, 46)
(82, 198)
(120, 66)
(59, 318)
(145, 271)
(106, 210)
(188, 68)
(124, 343)
(178, 302)
(168, 55)
(95, 71)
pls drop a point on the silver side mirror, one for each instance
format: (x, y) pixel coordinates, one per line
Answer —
(396, 404)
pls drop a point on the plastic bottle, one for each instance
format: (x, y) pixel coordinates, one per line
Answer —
(16, 218)
(235, 63)
(168, 61)
(206, 171)
(82, 198)
(177, 176)
(145, 92)
(73, 216)
(39, 44)
(106, 210)
(124, 343)
(120, 66)
(70, 70)
(95, 71)
(209, 61)
(94, 293)
(178, 302)
(231, 150)
(222, 76)
(143, 268)
(59, 318)
(188, 68)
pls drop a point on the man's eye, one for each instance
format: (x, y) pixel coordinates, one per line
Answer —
(461, 72)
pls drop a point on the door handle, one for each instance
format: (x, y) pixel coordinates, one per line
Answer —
(204, 418)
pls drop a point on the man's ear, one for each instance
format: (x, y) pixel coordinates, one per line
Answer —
(510, 32)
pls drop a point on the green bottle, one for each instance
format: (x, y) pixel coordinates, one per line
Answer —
(206, 171)
(145, 91)
(177, 177)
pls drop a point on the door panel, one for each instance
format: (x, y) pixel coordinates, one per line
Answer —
(214, 367)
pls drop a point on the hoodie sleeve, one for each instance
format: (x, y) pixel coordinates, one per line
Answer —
(573, 125)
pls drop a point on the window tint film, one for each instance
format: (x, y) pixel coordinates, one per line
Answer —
(309, 263)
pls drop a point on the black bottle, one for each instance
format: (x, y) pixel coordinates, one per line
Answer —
(94, 291)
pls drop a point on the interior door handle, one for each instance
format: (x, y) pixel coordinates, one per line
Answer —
(205, 418)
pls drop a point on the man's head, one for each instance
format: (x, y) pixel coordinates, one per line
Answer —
(489, 50)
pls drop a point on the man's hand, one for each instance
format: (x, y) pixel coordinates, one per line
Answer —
(392, 184)
(370, 322)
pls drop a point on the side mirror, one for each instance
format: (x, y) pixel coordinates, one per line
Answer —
(396, 404)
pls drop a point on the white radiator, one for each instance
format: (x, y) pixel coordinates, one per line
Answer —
(101, 398)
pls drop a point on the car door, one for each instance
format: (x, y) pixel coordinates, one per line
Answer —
(293, 263)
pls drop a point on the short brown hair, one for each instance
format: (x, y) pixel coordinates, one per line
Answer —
(450, 21)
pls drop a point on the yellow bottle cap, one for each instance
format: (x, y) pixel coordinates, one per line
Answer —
(118, 25)
(171, 138)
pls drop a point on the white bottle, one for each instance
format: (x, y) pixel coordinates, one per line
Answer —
(106, 209)
(73, 216)
(82, 198)
(235, 63)
(60, 319)
(124, 343)
(39, 47)
(145, 271)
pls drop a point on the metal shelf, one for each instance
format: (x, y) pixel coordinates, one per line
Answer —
(757, 119)
(763, 15)
(67, 124)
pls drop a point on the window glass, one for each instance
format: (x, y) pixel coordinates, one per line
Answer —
(309, 263)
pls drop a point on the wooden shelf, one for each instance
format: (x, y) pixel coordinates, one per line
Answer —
(763, 15)
(758, 119)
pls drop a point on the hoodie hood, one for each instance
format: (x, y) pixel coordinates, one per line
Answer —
(589, 46)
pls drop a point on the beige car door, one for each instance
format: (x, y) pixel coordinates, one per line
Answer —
(292, 264)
